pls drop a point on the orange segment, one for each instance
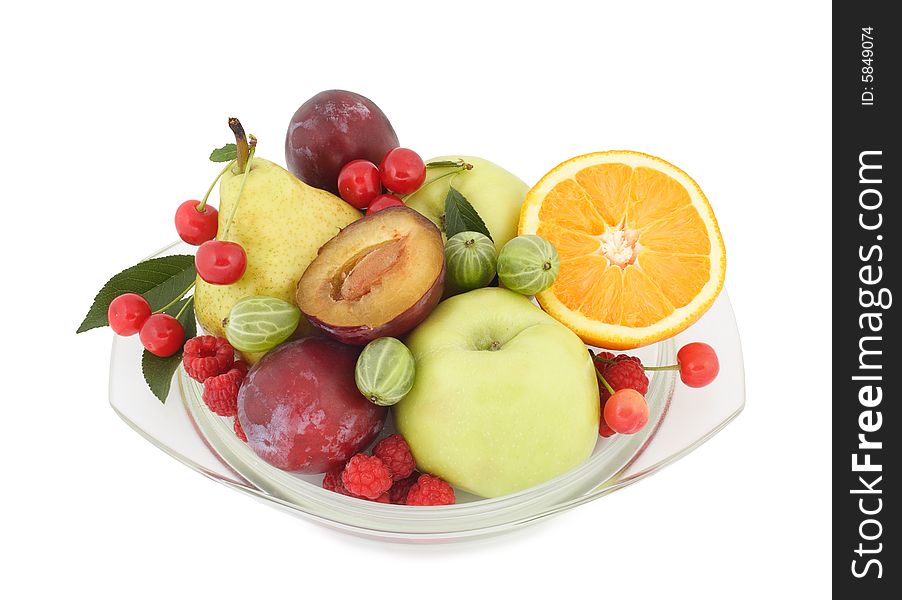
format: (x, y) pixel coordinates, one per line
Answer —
(608, 187)
(643, 301)
(604, 301)
(569, 206)
(574, 283)
(653, 196)
(682, 231)
(568, 242)
(642, 257)
(694, 271)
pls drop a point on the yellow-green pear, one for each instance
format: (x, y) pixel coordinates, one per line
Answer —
(281, 223)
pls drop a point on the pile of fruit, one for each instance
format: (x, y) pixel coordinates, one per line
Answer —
(319, 319)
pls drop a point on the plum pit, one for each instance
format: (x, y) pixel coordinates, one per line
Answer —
(360, 274)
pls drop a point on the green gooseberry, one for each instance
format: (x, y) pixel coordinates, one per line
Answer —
(260, 323)
(469, 261)
(385, 371)
(528, 264)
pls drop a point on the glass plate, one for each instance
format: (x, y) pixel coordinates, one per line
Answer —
(680, 420)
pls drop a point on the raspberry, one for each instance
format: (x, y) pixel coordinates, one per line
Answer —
(366, 476)
(625, 372)
(332, 481)
(395, 453)
(398, 492)
(221, 391)
(239, 430)
(206, 356)
(430, 491)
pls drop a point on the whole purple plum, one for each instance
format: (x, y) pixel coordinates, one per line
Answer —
(301, 410)
(330, 130)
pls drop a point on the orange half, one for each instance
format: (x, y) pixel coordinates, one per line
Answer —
(642, 257)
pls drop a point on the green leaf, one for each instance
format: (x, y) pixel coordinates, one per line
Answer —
(158, 371)
(159, 280)
(461, 216)
(224, 154)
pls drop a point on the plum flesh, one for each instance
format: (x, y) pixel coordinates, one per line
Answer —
(301, 410)
(381, 276)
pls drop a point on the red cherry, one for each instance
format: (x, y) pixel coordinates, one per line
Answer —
(162, 335)
(220, 263)
(127, 313)
(358, 183)
(193, 226)
(604, 430)
(626, 411)
(383, 201)
(403, 171)
(698, 364)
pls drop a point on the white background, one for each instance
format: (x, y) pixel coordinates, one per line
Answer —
(109, 113)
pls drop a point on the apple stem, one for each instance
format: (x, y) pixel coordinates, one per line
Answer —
(240, 142)
(203, 203)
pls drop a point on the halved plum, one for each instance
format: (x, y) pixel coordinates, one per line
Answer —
(380, 276)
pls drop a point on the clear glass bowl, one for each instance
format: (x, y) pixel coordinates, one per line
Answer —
(470, 512)
(680, 420)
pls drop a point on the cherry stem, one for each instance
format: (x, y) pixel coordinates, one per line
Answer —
(176, 300)
(240, 142)
(675, 367)
(203, 203)
(444, 164)
(455, 170)
(603, 381)
(184, 308)
(250, 159)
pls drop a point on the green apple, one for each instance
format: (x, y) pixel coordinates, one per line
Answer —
(496, 194)
(504, 396)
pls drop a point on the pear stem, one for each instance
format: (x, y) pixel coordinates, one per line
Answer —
(240, 142)
(200, 207)
(250, 159)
